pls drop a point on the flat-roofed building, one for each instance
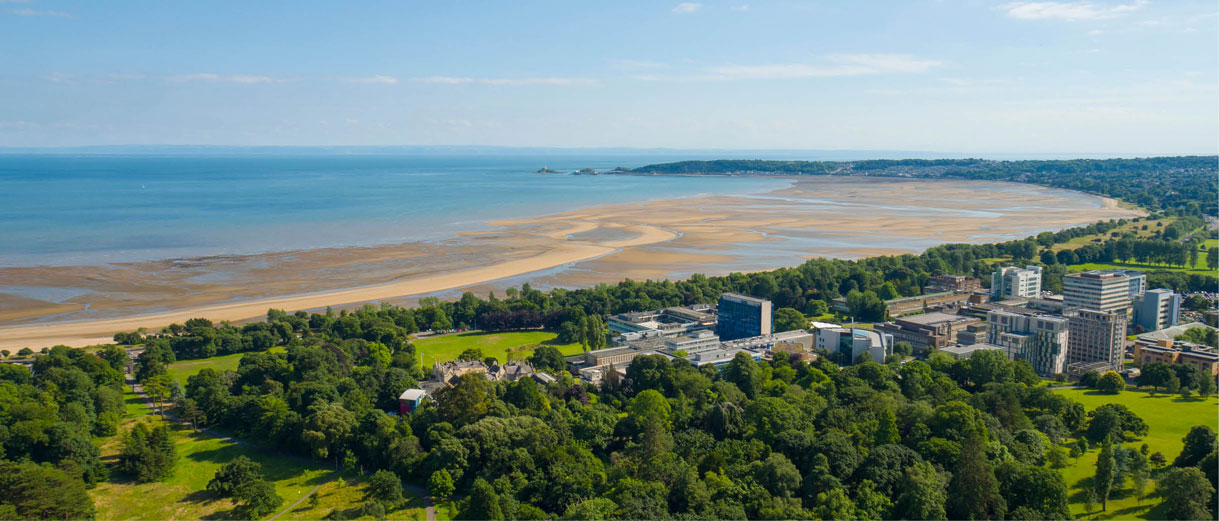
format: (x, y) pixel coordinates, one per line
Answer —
(967, 351)
(1157, 309)
(972, 334)
(1096, 290)
(1204, 358)
(1012, 282)
(692, 342)
(1097, 336)
(956, 283)
(854, 342)
(927, 331)
(1040, 339)
(742, 317)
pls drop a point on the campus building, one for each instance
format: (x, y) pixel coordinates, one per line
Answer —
(1157, 309)
(958, 283)
(1013, 282)
(854, 342)
(1097, 290)
(927, 331)
(743, 317)
(1097, 336)
(1204, 358)
(1040, 339)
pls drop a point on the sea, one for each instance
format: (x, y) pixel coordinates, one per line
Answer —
(91, 209)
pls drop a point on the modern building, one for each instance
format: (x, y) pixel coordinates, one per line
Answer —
(692, 342)
(854, 342)
(1011, 281)
(767, 342)
(666, 322)
(1097, 336)
(1157, 309)
(927, 331)
(972, 334)
(967, 351)
(903, 306)
(1205, 358)
(959, 283)
(1040, 339)
(1097, 290)
(743, 317)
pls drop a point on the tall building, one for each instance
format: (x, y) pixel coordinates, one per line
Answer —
(1040, 339)
(1138, 281)
(1096, 290)
(1096, 336)
(1157, 309)
(1010, 282)
(742, 317)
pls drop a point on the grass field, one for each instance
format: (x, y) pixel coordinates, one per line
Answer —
(1168, 419)
(184, 495)
(1133, 227)
(180, 371)
(519, 343)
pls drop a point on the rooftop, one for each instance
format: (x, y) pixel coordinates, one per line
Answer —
(1170, 332)
(931, 318)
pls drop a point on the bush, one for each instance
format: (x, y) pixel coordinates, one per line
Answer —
(1111, 383)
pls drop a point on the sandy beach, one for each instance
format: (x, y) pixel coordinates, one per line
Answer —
(829, 217)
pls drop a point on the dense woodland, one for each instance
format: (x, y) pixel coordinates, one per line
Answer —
(779, 439)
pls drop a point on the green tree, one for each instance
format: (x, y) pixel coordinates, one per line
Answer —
(778, 475)
(1106, 471)
(975, 489)
(157, 388)
(440, 485)
(1199, 442)
(1187, 493)
(242, 480)
(886, 429)
(327, 428)
(33, 491)
(548, 358)
(147, 454)
(1111, 383)
(923, 495)
(384, 487)
(595, 509)
(788, 319)
(483, 503)
(1033, 489)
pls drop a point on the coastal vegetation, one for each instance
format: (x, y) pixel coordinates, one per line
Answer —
(778, 439)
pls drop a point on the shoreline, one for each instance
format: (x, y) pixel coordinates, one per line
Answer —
(656, 239)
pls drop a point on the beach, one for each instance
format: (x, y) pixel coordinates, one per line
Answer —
(812, 217)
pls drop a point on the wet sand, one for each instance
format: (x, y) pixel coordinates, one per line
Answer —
(822, 216)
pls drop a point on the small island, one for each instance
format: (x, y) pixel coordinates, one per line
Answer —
(587, 171)
(545, 170)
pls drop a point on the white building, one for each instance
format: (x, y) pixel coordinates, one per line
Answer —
(1011, 282)
(1097, 290)
(855, 342)
(1157, 309)
(1042, 340)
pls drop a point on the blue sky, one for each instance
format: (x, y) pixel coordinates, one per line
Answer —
(1126, 77)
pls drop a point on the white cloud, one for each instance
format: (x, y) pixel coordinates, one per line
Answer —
(457, 80)
(1069, 11)
(742, 8)
(389, 80)
(226, 78)
(687, 7)
(32, 12)
(846, 65)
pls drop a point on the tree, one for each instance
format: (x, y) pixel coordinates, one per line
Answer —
(788, 319)
(922, 496)
(1199, 442)
(1106, 470)
(4, 353)
(975, 489)
(1172, 385)
(1034, 490)
(440, 485)
(32, 491)
(326, 429)
(595, 509)
(1187, 493)
(385, 487)
(886, 429)
(483, 503)
(548, 358)
(778, 475)
(1111, 383)
(242, 480)
(1206, 386)
(157, 388)
(147, 454)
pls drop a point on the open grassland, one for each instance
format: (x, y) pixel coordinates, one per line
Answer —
(184, 369)
(1135, 228)
(513, 345)
(199, 455)
(1168, 418)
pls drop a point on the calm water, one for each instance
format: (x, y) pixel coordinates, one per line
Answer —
(68, 210)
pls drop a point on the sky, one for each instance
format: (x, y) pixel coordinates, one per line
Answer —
(1125, 77)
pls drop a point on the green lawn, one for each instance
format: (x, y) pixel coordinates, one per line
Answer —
(1168, 419)
(180, 371)
(184, 495)
(1201, 269)
(520, 343)
(1134, 227)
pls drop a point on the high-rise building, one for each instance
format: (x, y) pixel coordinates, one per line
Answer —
(1157, 309)
(742, 317)
(1096, 336)
(1011, 282)
(1138, 281)
(1096, 290)
(1040, 339)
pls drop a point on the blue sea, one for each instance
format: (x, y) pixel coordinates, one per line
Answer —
(95, 209)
